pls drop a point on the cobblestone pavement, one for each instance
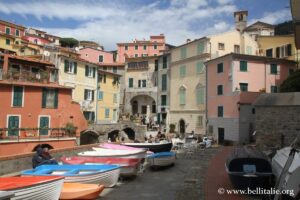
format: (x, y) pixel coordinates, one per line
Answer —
(183, 181)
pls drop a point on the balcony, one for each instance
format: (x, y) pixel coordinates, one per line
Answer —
(142, 89)
(28, 76)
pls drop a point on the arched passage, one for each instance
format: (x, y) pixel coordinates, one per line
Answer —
(139, 104)
(113, 135)
(89, 137)
(130, 133)
(42, 146)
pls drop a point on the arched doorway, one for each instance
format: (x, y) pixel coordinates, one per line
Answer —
(42, 146)
(135, 107)
(89, 137)
(182, 127)
(113, 135)
(130, 133)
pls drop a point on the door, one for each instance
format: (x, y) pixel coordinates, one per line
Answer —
(135, 107)
(182, 127)
(44, 125)
(13, 125)
(221, 135)
(114, 115)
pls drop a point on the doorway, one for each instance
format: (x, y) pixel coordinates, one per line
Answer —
(221, 135)
(182, 127)
(135, 107)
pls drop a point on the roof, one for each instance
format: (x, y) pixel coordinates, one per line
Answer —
(255, 25)
(12, 24)
(195, 40)
(29, 59)
(252, 57)
(278, 99)
(33, 84)
(107, 72)
(93, 48)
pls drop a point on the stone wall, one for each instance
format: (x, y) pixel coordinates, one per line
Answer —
(275, 125)
(17, 163)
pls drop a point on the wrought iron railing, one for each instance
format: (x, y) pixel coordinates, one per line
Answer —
(26, 76)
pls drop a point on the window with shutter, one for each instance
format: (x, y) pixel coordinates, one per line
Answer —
(244, 87)
(200, 48)
(100, 95)
(269, 53)
(220, 90)
(163, 100)
(277, 52)
(182, 96)
(200, 95)
(17, 32)
(49, 98)
(164, 82)
(289, 50)
(17, 96)
(13, 125)
(165, 62)
(7, 30)
(44, 125)
(273, 69)
(182, 71)
(199, 67)
(130, 82)
(7, 41)
(220, 111)
(243, 66)
(183, 52)
(75, 67)
(156, 65)
(274, 89)
(100, 58)
(106, 112)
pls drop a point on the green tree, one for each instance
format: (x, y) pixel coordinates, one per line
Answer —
(292, 83)
(68, 42)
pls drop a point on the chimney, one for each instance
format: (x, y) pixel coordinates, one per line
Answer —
(188, 40)
(240, 20)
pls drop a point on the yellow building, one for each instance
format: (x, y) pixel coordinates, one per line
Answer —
(278, 46)
(108, 97)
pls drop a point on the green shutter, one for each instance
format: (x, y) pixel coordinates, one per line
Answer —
(66, 65)
(220, 111)
(93, 95)
(17, 96)
(86, 70)
(7, 31)
(94, 72)
(44, 125)
(13, 123)
(130, 84)
(85, 94)
(100, 95)
(56, 98)
(199, 66)
(273, 68)
(44, 97)
(164, 82)
(182, 97)
(243, 66)
(182, 71)
(183, 52)
(220, 68)
(106, 112)
(75, 67)
(200, 47)
(200, 95)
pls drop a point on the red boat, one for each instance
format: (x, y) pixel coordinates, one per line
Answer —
(129, 166)
(39, 187)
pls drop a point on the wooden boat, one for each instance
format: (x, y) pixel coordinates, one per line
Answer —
(129, 166)
(154, 147)
(249, 168)
(120, 147)
(107, 175)
(162, 159)
(292, 174)
(100, 152)
(33, 188)
(80, 191)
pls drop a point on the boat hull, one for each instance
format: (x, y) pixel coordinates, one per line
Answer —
(48, 189)
(154, 147)
(244, 182)
(162, 159)
(80, 191)
(112, 153)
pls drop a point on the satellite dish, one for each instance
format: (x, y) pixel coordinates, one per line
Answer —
(46, 53)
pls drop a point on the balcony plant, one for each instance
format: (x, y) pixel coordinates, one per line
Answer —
(172, 128)
(70, 129)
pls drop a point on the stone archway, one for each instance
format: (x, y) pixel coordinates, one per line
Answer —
(138, 104)
(130, 133)
(89, 137)
(113, 135)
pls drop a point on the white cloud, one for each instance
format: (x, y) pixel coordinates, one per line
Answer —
(110, 22)
(274, 17)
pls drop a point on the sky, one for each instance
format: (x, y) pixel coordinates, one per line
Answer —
(112, 21)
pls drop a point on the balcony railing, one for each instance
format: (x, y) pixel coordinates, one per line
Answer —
(19, 134)
(27, 76)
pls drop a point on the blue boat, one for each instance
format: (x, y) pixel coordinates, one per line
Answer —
(162, 159)
(106, 175)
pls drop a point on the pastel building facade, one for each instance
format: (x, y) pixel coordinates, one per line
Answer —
(141, 48)
(234, 82)
(35, 109)
(108, 97)
(96, 55)
(40, 37)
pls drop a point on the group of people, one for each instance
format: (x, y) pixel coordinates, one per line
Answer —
(42, 157)
(160, 136)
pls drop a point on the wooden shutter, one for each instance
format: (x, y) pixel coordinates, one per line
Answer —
(277, 52)
(199, 67)
(86, 70)
(289, 49)
(66, 65)
(94, 72)
(56, 98)
(92, 95)
(75, 67)
(13, 123)
(17, 96)
(44, 97)
(164, 82)
(44, 125)
(85, 94)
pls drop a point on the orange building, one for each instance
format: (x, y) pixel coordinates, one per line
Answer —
(34, 108)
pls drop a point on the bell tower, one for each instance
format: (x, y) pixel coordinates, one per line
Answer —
(240, 20)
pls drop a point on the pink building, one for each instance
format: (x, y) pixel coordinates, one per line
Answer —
(96, 55)
(142, 48)
(40, 37)
(234, 81)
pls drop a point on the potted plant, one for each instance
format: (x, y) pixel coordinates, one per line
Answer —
(70, 129)
(172, 128)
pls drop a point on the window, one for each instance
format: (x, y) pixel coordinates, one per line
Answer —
(156, 65)
(49, 98)
(221, 46)
(163, 100)
(126, 47)
(115, 100)
(144, 83)
(183, 52)
(136, 55)
(165, 60)
(102, 78)
(244, 87)
(199, 67)
(17, 32)
(100, 58)
(182, 96)
(7, 41)
(88, 95)
(243, 66)
(105, 68)
(273, 69)
(164, 82)
(269, 53)
(284, 51)
(145, 47)
(249, 50)
(200, 121)
(200, 47)
(136, 47)
(155, 46)
(17, 96)
(115, 69)
(35, 41)
(220, 111)
(220, 90)
(106, 112)
(7, 30)
(90, 71)
(220, 68)
(70, 67)
(130, 82)
(236, 48)
(153, 107)
(144, 55)
(100, 95)
(274, 89)
(200, 95)
(44, 125)
(89, 116)
(182, 71)
(13, 125)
